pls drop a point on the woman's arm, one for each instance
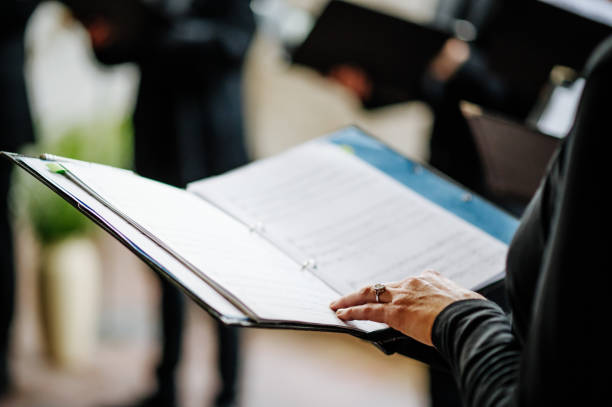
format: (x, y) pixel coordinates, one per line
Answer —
(472, 334)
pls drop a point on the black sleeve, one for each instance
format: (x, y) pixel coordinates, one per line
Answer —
(565, 348)
(476, 338)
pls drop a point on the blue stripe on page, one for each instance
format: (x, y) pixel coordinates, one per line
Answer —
(468, 206)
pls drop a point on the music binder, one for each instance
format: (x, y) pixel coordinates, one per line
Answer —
(393, 52)
(514, 155)
(271, 244)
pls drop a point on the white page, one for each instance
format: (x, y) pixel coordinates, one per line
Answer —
(596, 10)
(266, 281)
(177, 270)
(360, 226)
(560, 111)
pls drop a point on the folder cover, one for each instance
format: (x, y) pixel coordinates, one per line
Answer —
(393, 52)
(514, 155)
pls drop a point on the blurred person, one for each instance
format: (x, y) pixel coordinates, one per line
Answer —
(463, 70)
(460, 71)
(188, 122)
(500, 57)
(15, 130)
(457, 70)
(504, 65)
(548, 350)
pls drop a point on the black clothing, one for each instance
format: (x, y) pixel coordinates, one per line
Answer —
(452, 148)
(557, 281)
(479, 13)
(7, 277)
(218, 32)
(518, 44)
(188, 124)
(15, 130)
(15, 121)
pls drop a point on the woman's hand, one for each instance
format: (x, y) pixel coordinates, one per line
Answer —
(409, 306)
(453, 54)
(354, 79)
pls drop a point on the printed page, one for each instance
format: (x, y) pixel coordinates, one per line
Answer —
(352, 223)
(171, 265)
(268, 283)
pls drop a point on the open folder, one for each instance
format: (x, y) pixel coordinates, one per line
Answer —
(273, 243)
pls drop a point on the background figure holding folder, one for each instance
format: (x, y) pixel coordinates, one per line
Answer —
(546, 352)
(506, 68)
(15, 130)
(188, 125)
(187, 121)
(434, 63)
(493, 53)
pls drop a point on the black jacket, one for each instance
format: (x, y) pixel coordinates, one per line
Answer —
(15, 121)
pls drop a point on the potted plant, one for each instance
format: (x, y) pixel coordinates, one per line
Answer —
(70, 265)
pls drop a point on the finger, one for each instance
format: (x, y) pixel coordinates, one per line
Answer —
(363, 296)
(367, 312)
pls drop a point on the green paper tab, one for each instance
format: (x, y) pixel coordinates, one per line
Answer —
(56, 168)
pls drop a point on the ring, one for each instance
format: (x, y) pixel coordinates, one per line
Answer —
(378, 288)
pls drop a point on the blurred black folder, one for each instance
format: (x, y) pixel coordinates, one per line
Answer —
(514, 156)
(392, 51)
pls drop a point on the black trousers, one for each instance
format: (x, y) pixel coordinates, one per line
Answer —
(15, 130)
(188, 125)
(173, 316)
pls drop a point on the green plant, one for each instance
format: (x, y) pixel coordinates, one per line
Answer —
(52, 218)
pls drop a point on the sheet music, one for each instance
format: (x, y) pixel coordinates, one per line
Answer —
(268, 282)
(357, 225)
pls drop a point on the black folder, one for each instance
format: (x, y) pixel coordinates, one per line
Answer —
(393, 52)
(514, 155)
(522, 43)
